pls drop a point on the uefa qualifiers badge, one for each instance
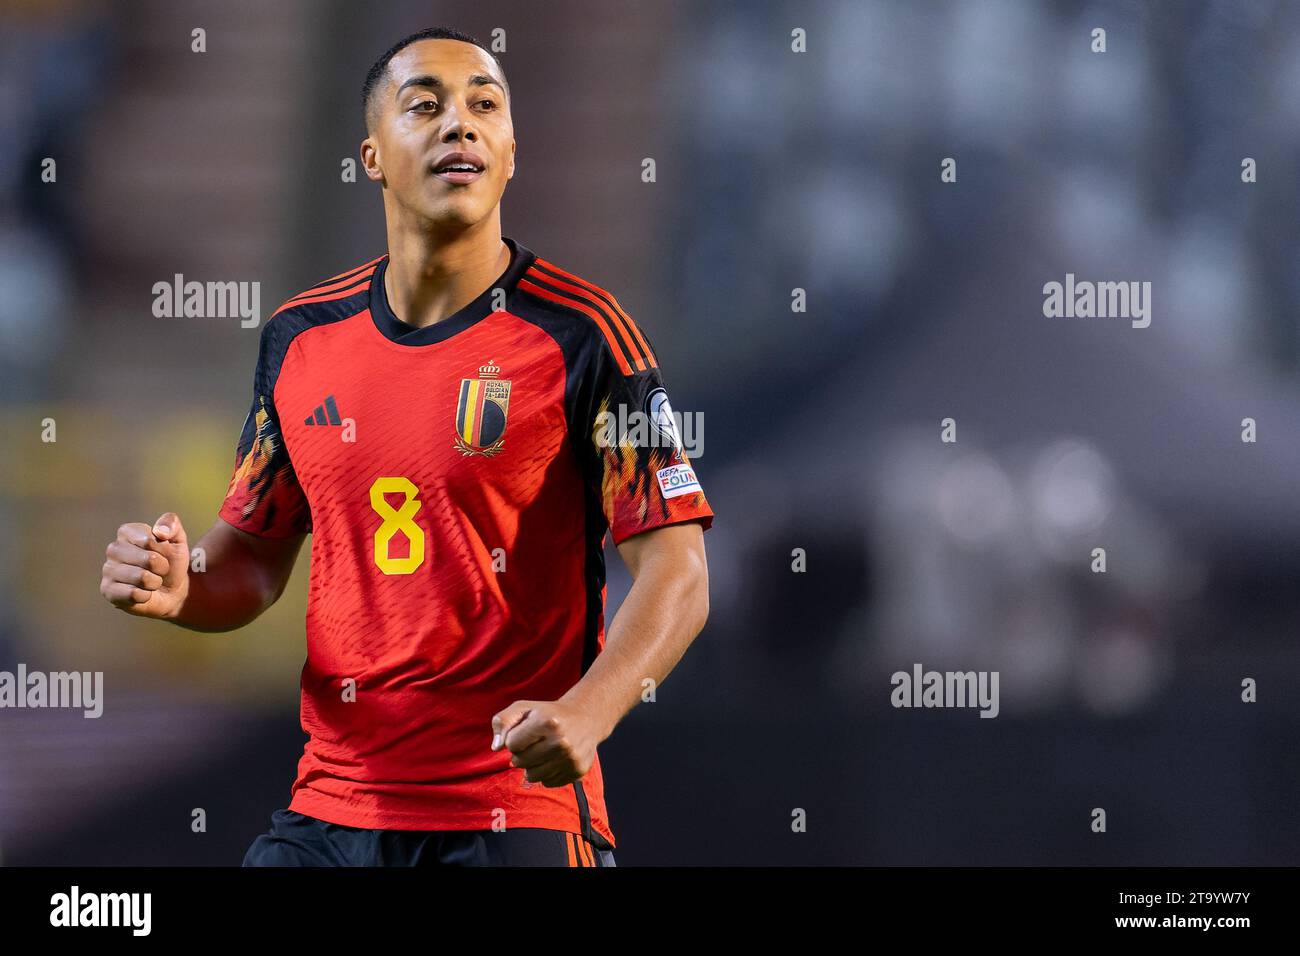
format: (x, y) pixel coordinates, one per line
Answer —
(481, 412)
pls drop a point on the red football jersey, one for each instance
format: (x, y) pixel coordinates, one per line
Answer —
(458, 481)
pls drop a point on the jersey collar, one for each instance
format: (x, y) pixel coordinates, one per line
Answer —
(396, 330)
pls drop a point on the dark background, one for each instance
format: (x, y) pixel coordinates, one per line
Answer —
(775, 170)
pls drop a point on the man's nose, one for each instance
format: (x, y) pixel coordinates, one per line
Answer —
(458, 127)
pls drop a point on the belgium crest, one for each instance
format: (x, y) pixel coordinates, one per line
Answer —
(481, 412)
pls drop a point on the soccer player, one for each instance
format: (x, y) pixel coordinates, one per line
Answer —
(443, 421)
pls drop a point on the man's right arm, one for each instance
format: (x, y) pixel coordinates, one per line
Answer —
(147, 573)
(248, 554)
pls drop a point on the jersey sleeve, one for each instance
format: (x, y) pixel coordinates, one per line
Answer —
(641, 471)
(264, 496)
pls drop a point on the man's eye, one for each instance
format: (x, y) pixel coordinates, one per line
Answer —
(490, 103)
(423, 103)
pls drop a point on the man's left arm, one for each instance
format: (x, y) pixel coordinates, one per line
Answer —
(664, 611)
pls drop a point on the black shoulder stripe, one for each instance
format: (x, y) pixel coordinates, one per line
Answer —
(634, 356)
(611, 308)
(300, 301)
(340, 278)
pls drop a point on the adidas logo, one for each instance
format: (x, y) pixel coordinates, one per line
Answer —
(318, 417)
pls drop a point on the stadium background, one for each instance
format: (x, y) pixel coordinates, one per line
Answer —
(775, 170)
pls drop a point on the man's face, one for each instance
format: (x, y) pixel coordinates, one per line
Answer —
(441, 97)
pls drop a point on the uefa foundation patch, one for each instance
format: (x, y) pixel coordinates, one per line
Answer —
(677, 480)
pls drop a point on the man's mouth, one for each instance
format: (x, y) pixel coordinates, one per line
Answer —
(459, 168)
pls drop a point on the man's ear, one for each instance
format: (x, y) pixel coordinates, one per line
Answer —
(370, 160)
(511, 174)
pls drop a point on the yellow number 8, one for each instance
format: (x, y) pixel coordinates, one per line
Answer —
(399, 519)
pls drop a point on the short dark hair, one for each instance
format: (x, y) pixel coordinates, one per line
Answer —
(380, 67)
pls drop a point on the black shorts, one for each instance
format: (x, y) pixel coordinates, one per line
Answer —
(298, 840)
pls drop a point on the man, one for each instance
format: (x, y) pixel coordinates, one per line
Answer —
(440, 420)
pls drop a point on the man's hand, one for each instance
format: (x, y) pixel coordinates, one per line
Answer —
(147, 571)
(554, 741)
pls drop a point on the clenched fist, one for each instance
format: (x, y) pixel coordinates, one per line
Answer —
(147, 571)
(555, 742)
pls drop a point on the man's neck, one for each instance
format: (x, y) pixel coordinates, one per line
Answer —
(428, 280)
